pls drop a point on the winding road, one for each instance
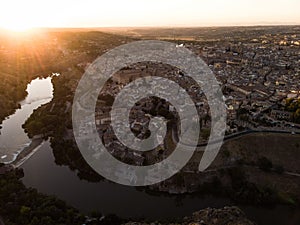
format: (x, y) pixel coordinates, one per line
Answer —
(234, 136)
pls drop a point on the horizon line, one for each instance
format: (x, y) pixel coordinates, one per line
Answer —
(166, 26)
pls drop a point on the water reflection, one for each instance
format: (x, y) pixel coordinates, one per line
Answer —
(13, 139)
(42, 173)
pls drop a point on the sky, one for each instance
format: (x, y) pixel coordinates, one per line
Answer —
(23, 14)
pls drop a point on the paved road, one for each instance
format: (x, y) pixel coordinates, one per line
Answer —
(227, 167)
(231, 136)
(237, 135)
(292, 174)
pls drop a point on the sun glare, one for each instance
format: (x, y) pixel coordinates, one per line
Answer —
(20, 16)
(18, 27)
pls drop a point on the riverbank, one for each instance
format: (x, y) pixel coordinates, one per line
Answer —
(245, 158)
(43, 173)
(15, 144)
(27, 152)
(226, 215)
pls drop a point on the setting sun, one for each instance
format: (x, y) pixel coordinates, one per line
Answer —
(18, 27)
(17, 16)
(21, 15)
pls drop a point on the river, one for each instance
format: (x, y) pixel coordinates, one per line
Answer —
(13, 139)
(42, 173)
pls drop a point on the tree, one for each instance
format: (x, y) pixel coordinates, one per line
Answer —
(279, 169)
(25, 210)
(265, 164)
(205, 133)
